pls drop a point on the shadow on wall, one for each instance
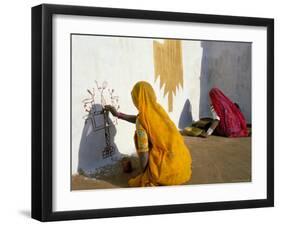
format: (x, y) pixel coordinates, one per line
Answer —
(186, 115)
(227, 66)
(95, 146)
(204, 105)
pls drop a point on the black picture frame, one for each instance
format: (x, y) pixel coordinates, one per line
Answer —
(42, 107)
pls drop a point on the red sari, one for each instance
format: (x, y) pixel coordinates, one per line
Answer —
(232, 122)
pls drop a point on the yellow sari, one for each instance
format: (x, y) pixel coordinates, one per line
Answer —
(169, 160)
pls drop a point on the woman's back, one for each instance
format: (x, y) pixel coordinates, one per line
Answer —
(169, 159)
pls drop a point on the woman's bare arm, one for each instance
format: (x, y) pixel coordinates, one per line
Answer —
(128, 118)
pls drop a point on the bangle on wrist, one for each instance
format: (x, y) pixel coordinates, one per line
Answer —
(120, 115)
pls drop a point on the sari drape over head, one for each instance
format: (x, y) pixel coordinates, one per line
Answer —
(232, 121)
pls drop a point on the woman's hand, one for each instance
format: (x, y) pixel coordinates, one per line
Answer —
(112, 109)
(115, 113)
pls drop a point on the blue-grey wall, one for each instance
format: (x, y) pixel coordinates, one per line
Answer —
(227, 66)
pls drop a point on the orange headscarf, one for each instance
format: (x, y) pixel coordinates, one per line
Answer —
(169, 159)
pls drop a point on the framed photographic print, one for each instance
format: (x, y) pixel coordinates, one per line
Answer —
(139, 112)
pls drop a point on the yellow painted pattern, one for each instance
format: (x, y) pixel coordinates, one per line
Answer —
(168, 67)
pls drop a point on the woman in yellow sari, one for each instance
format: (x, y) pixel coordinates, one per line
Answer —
(164, 157)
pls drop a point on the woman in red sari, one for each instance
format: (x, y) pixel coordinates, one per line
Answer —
(232, 122)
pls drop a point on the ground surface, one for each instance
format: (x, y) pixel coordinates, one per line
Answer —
(214, 160)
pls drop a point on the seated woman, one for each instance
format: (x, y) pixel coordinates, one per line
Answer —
(227, 119)
(232, 121)
(164, 157)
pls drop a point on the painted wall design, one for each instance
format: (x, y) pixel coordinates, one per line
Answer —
(168, 67)
(97, 147)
